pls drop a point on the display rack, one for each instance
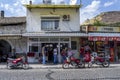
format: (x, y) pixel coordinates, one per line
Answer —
(101, 50)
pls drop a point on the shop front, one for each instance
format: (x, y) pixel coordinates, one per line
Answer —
(105, 40)
(106, 44)
(59, 40)
(35, 47)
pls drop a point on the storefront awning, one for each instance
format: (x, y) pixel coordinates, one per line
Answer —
(62, 34)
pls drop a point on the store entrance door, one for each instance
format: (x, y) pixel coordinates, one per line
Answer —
(49, 51)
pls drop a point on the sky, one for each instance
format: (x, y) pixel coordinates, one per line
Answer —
(90, 8)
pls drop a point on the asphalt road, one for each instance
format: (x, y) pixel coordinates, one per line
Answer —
(112, 73)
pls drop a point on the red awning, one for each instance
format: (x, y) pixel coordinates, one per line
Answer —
(101, 38)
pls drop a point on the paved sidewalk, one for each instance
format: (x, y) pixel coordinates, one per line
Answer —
(52, 66)
(36, 66)
(45, 66)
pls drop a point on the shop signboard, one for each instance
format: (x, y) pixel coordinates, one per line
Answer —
(110, 38)
(104, 39)
(114, 38)
(103, 29)
(95, 39)
(118, 39)
(100, 38)
(90, 38)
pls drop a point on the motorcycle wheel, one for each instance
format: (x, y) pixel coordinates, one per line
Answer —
(65, 65)
(25, 66)
(90, 64)
(106, 63)
(8, 66)
(81, 65)
(73, 63)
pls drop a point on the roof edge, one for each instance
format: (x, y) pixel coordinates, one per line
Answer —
(50, 6)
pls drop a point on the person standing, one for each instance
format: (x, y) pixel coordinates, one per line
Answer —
(43, 55)
(55, 52)
(87, 48)
(63, 54)
(69, 53)
(81, 52)
(87, 53)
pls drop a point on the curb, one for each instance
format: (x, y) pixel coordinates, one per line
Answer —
(40, 66)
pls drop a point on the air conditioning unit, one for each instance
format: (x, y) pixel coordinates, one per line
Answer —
(66, 17)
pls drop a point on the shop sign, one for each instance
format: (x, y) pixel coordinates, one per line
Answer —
(104, 38)
(110, 38)
(90, 38)
(95, 39)
(114, 38)
(104, 29)
(118, 39)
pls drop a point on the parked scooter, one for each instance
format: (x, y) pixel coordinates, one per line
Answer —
(72, 61)
(18, 62)
(95, 59)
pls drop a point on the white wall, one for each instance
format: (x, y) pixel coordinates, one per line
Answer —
(19, 44)
(78, 43)
(34, 15)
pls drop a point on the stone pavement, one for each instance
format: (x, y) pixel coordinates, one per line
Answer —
(52, 66)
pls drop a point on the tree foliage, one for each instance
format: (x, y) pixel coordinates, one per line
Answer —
(98, 23)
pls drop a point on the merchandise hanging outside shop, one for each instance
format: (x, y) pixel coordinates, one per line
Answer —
(105, 46)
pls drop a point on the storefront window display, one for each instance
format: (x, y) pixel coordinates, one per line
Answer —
(103, 48)
(100, 48)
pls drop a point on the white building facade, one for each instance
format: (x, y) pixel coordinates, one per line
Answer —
(53, 26)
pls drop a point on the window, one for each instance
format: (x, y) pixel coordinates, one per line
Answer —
(44, 39)
(50, 23)
(64, 39)
(33, 39)
(54, 39)
(33, 47)
(73, 45)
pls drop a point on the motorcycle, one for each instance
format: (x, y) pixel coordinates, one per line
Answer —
(73, 62)
(18, 62)
(87, 58)
(95, 59)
